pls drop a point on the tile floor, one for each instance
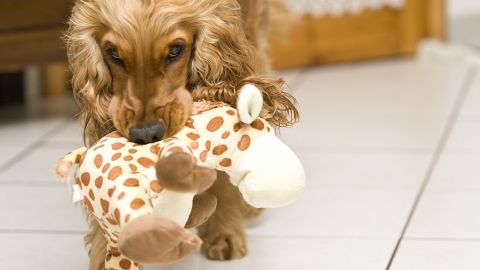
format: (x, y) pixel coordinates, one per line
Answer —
(391, 149)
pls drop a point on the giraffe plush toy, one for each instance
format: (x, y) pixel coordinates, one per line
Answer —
(142, 195)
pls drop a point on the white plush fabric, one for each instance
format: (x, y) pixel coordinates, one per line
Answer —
(339, 7)
(272, 175)
(249, 103)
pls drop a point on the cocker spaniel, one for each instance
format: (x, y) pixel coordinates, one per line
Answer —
(137, 66)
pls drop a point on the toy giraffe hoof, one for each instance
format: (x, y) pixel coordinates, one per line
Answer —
(178, 172)
(153, 239)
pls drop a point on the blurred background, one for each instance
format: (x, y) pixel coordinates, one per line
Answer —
(389, 92)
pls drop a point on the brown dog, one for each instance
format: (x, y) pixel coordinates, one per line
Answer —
(136, 66)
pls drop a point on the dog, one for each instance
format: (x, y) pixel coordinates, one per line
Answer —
(138, 65)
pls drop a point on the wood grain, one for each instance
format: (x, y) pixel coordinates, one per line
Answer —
(371, 34)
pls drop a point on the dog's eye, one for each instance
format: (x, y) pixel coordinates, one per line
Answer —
(113, 53)
(175, 52)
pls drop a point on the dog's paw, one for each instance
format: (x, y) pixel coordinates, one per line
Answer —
(225, 247)
(178, 172)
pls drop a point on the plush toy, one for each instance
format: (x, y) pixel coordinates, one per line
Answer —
(142, 194)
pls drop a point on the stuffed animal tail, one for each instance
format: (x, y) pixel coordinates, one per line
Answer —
(65, 164)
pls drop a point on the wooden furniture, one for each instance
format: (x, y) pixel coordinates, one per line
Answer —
(371, 34)
(31, 30)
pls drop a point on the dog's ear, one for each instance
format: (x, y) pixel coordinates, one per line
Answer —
(91, 76)
(256, 19)
(222, 52)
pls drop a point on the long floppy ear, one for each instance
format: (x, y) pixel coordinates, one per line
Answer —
(222, 53)
(91, 77)
(256, 19)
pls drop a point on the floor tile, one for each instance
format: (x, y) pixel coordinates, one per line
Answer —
(465, 136)
(389, 87)
(42, 252)
(367, 110)
(334, 213)
(447, 214)
(25, 132)
(437, 255)
(365, 169)
(72, 132)
(39, 208)
(456, 171)
(37, 166)
(300, 253)
(357, 132)
(471, 107)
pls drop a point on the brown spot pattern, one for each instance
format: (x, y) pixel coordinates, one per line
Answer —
(203, 156)
(220, 149)
(88, 204)
(128, 158)
(225, 135)
(190, 123)
(215, 124)
(105, 167)
(244, 143)
(98, 147)
(121, 195)
(193, 136)
(127, 218)
(98, 160)
(155, 186)
(114, 173)
(194, 145)
(125, 264)
(99, 182)
(230, 112)
(176, 149)
(208, 145)
(258, 124)
(111, 191)
(137, 203)
(155, 149)
(116, 156)
(146, 162)
(236, 127)
(133, 167)
(91, 195)
(118, 146)
(85, 178)
(131, 182)
(226, 162)
(115, 135)
(132, 151)
(116, 213)
(105, 204)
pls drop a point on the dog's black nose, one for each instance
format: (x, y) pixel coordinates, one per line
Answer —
(147, 133)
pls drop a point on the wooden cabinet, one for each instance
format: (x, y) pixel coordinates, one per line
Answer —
(31, 30)
(371, 34)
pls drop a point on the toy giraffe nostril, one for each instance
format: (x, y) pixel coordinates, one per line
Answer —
(147, 133)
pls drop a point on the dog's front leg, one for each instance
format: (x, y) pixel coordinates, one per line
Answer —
(223, 234)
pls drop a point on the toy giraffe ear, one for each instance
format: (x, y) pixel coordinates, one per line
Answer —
(249, 103)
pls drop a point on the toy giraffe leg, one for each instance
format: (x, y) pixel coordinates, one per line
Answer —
(117, 261)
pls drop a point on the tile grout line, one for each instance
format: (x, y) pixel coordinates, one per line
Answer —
(466, 86)
(31, 147)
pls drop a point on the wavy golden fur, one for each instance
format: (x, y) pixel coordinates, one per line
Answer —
(228, 51)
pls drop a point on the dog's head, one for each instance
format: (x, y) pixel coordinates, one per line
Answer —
(134, 63)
